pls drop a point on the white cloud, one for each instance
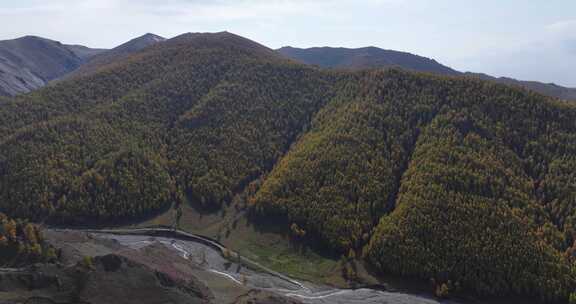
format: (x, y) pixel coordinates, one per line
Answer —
(563, 34)
(563, 26)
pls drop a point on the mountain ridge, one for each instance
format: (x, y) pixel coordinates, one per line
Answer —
(30, 62)
(366, 57)
(549, 89)
(132, 46)
(374, 57)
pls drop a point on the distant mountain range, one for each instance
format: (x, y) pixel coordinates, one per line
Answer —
(345, 58)
(549, 89)
(30, 62)
(117, 53)
(362, 58)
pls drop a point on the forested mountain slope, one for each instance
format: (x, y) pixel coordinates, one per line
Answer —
(85, 143)
(454, 179)
(461, 163)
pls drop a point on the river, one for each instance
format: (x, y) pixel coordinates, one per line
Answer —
(212, 260)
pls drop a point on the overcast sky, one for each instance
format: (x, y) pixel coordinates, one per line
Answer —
(524, 39)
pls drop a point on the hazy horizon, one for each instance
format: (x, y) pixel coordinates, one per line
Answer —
(527, 41)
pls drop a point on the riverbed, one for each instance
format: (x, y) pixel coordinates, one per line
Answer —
(212, 261)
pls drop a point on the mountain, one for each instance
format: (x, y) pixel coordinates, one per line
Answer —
(117, 53)
(367, 57)
(549, 89)
(30, 62)
(463, 182)
(374, 57)
(83, 52)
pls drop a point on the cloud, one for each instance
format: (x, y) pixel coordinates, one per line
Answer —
(570, 45)
(563, 27)
(563, 34)
(564, 31)
(242, 10)
(227, 9)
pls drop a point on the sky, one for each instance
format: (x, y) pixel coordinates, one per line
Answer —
(523, 39)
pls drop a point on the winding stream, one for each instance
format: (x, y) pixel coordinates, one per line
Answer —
(211, 260)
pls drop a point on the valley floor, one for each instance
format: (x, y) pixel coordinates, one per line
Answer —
(267, 245)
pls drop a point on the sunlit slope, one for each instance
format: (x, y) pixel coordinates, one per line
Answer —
(467, 213)
(457, 173)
